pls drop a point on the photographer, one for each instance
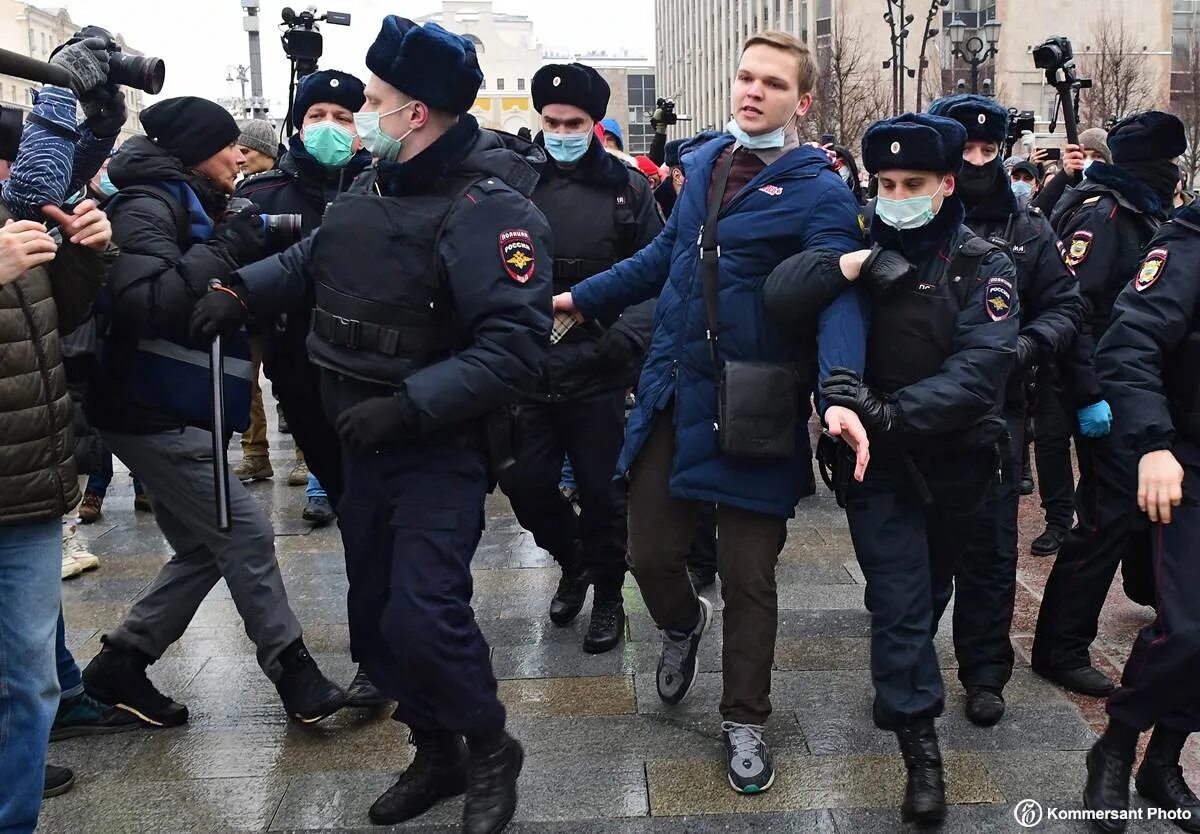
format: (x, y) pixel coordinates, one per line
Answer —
(46, 287)
(152, 406)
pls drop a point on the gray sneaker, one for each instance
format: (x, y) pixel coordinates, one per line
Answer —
(677, 665)
(750, 768)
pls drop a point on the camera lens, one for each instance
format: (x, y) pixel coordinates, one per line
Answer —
(282, 230)
(141, 73)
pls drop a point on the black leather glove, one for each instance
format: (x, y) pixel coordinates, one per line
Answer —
(104, 108)
(884, 269)
(219, 313)
(87, 63)
(242, 235)
(1027, 351)
(844, 387)
(616, 350)
(378, 421)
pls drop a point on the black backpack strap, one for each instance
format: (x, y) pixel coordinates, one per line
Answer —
(179, 212)
(963, 272)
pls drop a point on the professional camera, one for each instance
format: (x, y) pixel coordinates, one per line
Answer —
(665, 112)
(141, 73)
(1057, 58)
(1053, 53)
(1020, 122)
(281, 230)
(302, 40)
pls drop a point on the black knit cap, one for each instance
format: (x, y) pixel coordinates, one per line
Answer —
(1147, 136)
(327, 86)
(914, 142)
(576, 84)
(189, 128)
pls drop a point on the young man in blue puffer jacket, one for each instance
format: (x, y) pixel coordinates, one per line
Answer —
(781, 198)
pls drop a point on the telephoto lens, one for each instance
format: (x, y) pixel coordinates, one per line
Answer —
(135, 71)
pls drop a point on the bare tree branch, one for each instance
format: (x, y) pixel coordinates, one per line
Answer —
(848, 96)
(1122, 78)
(1185, 102)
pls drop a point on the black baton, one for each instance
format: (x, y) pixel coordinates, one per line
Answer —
(216, 373)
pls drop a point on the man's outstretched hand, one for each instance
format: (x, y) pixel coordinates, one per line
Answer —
(844, 423)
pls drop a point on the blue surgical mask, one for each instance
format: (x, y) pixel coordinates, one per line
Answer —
(1022, 190)
(1087, 163)
(328, 143)
(106, 186)
(763, 141)
(567, 147)
(912, 213)
(374, 139)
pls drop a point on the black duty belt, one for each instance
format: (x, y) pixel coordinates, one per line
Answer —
(390, 341)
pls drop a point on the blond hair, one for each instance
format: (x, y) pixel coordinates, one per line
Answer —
(806, 77)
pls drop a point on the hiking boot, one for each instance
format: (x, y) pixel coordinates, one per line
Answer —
(307, 695)
(59, 780)
(437, 772)
(1048, 543)
(750, 767)
(318, 511)
(492, 786)
(83, 715)
(677, 666)
(1160, 778)
(254, 469)
(607, 626)
(925, 789)
(1107, 787)
(572, 590)
(299, 474)
(141, 503)
(364, 694)
(985, 706)
(91, 508)
(117, 676)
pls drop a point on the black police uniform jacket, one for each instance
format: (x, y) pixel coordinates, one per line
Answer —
(1148, 360)
(1104, 224)
(600, 212)
(942, 352)
(440, 285)
(1051, 306)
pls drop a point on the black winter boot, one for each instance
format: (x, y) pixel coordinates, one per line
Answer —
(117, 676)
(438, 771)
(1160, 778)
(1107, 787)
(364, 694)
(307, 695)
(925, 790)
(985, 705)
(607, 625)
(494, 766)
(572, 590)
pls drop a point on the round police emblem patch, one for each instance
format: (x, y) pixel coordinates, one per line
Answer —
(1151, 269)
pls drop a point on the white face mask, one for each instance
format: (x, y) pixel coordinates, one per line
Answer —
(764, 141)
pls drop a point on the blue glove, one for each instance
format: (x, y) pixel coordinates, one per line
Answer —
(1095, 420)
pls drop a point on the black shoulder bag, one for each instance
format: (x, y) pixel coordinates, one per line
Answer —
(758, 403)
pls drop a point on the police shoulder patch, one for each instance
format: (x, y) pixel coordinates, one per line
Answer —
(997, 298)
(517, 255)
(1151, 269)
(1081, 245)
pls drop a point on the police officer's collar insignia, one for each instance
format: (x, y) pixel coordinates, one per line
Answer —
(517, 255)
(1151, 269)
(1081, 244)
(998, 298)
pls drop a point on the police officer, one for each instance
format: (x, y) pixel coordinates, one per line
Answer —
(940, 349)
(1105, 224)
(1149, 366)
(600, 211)
(986, 577)
(321, 162)
(441, 317)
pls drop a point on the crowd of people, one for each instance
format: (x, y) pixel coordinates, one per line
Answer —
(632, 350)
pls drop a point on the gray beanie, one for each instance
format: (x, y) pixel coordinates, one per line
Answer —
(259, 135)
(1095, 139)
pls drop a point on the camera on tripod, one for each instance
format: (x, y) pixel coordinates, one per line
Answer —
(302, 40)
(1057, 58)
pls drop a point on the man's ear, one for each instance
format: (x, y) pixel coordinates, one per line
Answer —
(805, 105)
(948, 185)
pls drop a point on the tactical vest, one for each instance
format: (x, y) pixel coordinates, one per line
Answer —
(594, 227)
(912, 330)
(383, 307)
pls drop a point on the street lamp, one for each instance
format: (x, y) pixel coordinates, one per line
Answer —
(238, 74)
(967, 44)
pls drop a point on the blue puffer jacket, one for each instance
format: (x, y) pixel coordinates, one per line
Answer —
(796, 203)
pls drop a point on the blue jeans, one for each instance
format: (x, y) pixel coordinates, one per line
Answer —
(314, 488)
(30, 601)
(98, 481)
(70, 681)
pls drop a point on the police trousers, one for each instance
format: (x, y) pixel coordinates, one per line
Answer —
(1160, 683)
(1052, 427)
(177, 469)
(1111, 530)
(985, 580)
(908, 552)
(411, 518)
(589, 431)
